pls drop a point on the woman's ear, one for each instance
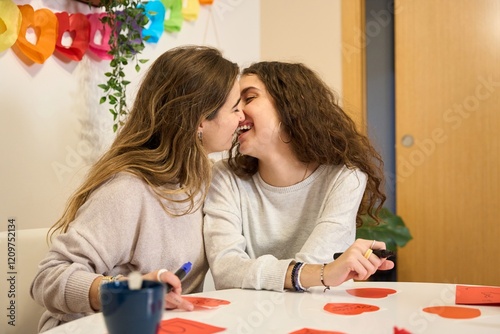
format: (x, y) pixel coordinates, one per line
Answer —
(199, 134)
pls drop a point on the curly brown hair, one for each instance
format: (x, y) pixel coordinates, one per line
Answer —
(320, 131)
(158, 142)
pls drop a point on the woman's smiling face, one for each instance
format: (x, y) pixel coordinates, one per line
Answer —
(218, 133)
(260, 129)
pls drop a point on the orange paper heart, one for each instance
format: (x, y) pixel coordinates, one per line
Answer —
(206, 302)
(349, 308)
(454, 312)
(371, 292)
(78, 25)
(179, 325)
(44, 23)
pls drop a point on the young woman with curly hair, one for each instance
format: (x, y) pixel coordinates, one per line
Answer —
(298, 177)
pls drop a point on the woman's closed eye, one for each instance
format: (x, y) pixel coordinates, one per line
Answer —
(249, 99)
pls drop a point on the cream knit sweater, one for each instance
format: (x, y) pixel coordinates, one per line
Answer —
(121, 228)
(253, 230)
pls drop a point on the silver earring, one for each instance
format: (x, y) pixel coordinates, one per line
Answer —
(200, 136)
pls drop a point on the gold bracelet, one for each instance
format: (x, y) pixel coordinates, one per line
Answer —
(104, 280)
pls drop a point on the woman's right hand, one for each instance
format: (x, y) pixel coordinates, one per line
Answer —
(173, 299)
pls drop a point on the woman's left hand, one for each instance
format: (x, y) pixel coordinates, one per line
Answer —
(357, 262)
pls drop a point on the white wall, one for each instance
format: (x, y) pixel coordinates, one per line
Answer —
(51, 124)
(304, 31)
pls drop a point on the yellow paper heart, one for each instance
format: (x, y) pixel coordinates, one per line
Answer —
(10, 23)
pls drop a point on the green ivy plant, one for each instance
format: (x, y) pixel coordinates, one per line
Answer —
(391, 229)
(127, 19)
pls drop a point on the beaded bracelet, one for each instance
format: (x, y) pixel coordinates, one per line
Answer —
(322, 280)
(295, 277)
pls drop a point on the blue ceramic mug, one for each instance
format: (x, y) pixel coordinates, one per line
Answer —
(132, 311)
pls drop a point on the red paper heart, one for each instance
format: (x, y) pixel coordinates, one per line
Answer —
(349, 308)
(179, 325)
(371, 292)
(454, 312)
(44, 23)
(314, 331)
(206, 302)
(78, 25)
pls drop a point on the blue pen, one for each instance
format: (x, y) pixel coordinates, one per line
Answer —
(181, 273)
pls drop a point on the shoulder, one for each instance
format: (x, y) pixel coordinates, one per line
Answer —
(344, 174)
(222, 171)
(224, 180)
(221, 166)
(123, 185)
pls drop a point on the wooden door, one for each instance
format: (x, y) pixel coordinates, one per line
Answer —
(447, 139)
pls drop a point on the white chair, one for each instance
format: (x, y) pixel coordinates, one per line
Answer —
(30, 248)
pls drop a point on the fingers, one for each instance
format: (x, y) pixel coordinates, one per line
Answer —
(386, 265)
(362, 263)
(364, 244)
(166, 276)
(174, 300)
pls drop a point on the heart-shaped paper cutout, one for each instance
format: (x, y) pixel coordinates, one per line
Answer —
(179, 325)
(190, 10)
(155, 11)
(10, 24)
(454, 312)
(102, 48)
(206, 302)
(349, 308)
(174, 21)
(314, 331)
(44, 23)
(371, 292)
(400, 331)
(79, 25)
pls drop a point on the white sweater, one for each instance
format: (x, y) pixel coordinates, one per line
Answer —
(253, 230)
(121, 228)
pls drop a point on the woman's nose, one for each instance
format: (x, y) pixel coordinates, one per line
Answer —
(242, 116)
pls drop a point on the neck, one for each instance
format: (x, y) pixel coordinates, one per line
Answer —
(285, 172)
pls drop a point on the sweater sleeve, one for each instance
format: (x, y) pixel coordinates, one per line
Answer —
(225, 244)
(99, 239)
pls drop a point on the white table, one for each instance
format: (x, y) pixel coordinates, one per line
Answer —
(274, 312)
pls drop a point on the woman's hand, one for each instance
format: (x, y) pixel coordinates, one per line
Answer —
(353, 264)
(173, 299)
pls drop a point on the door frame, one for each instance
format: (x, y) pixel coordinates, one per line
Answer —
(354, 60)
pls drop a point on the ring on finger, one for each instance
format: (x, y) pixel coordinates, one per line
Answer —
(373, 244)
(160, 272)
(368, 252)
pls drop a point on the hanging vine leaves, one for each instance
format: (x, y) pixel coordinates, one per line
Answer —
(126, 19)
